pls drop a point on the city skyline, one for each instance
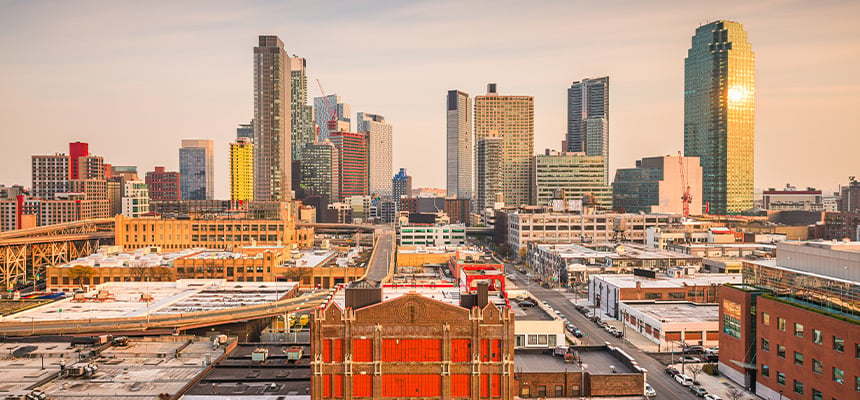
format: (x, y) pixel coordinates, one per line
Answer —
(151, 81)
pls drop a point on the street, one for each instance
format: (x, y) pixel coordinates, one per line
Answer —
(664, 385)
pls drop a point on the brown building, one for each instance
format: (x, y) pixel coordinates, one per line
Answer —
(456, 209)
(791, 330)
(841, 225)
(163, 185)
(412, 346)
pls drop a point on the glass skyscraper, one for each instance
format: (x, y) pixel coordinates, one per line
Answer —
(272, 121)
(588, 119)
(196, 169)
(459, 145)
(719, 110)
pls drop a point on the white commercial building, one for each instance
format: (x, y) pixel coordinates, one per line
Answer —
(671, 324)
(431, 235)
(135, 202)
(379, 150)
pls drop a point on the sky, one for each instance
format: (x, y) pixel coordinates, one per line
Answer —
(135, 78)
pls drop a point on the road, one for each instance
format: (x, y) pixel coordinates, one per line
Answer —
(379, 266)
(665, 386)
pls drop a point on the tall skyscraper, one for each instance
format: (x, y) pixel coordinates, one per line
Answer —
(719, 110)
(352, 163)
(245, 130)
(272, 122)
(320, 165)
(242, 169)
(379, 152)
(323, 109)
(588, 119)
(460, 145)
(512, 119)
(301, 113)
(655, 186)
(573, 174)
(197, 169)
(489, 167)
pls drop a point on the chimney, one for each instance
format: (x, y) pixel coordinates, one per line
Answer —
(483, 293)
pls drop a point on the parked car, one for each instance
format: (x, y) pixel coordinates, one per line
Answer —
(713, 350)
(710, 396)
(577, 333)
(698, 391)
(690, 359)
(617, 333)
(712, 357)
(526, 303)
(684, 380)
(649, 391)
(694, 350)
(671, 371)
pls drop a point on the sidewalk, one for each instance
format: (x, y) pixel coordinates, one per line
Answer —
(717, 385)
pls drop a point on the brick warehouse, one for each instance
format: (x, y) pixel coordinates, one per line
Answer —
(414, 343)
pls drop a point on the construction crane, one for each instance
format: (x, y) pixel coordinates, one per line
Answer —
(686, 198)
(332, 124)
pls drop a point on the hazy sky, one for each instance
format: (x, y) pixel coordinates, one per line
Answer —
(135, 78)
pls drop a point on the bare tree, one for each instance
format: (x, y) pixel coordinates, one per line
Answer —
(162, 274)
(79, 273)
(694, 370)
(734, 394)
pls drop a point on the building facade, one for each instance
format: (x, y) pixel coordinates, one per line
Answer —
(331, 115)
(489, 163)
(512, 119)
(719, 111)
(459, 145)
(197, 169)
(570, 176)
(321, 169)
(791, 199)
(849, 196)
(431, 235)
(301, 113)
(135, 201)
(242, 169)
(657, 184)
(245, 131)
(163, 185)
(272, 122)
(352, 163)
(401, 185)
(379, 152)
(588, 119)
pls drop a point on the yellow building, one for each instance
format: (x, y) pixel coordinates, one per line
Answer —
(512, 119)
(242, 170)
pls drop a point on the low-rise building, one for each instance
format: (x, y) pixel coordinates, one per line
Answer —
(673, 324)
(431, 235)
(790, 199)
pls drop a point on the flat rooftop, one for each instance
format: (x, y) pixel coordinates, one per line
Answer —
(535, 313)
(678, 312)
(629, 280)
(21, 364)
(595, 362)
(182, 296)
(444, 293)
(613, 251)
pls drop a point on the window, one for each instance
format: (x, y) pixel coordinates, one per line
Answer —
(765, 370)
(816, 395)
(857, 383)
(798, 358)
(838, 344)
(732, 319)
(798, 330)
(857, 350)
(817, 367)
(798, 387)
(541, 390)
(765, 318)
(520, 340)
(765, 344)
(838, 375)
(780, 324)
(817, 336)
(559, 391)
(780, 378)
(780, 351)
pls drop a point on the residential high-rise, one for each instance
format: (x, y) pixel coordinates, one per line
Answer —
(489, 169)
(323, 109)
(242, 169)
(196, 169)
(320, 164)
(301, 113)
(460, 145)
(588, 119)
(50, 175)
(245, 131)
(401, 185)
(135, 201)
(655, 186)
(571, 174)
(379, 152)
(352, 163)
(272, 122)
(849, 196)
(163, 185)
(719, 110)
(512, 119)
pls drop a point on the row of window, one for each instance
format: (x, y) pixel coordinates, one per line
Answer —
(838, 376)
(799, 331)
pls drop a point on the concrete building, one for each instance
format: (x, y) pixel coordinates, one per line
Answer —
(135, 202)
(242, 169)
(791, 199)
(719, 111)
(197, 169)
(489, 169)
(379, 152)
(360, 206)
(657, 184)
(352, 163)
(790, 329)
(543, 227)
(401, 185)
(588, 120)
(512, 119)
(163, 185)
(841, 225)
(272, 121)
(672, 325)
(849, 196)
(331, 115)
(321, 169)
(245, 131)
(459, 145)
(572, 175)
(430, 235)
(302, 128)
(409, 335)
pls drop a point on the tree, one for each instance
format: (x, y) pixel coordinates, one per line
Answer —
(296, 274)
(79, 273)
(694, 370)
(162, 274)
(523, 253)
(734, 394)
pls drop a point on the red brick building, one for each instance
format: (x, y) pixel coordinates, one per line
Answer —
(163, 185)
(410, 345)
